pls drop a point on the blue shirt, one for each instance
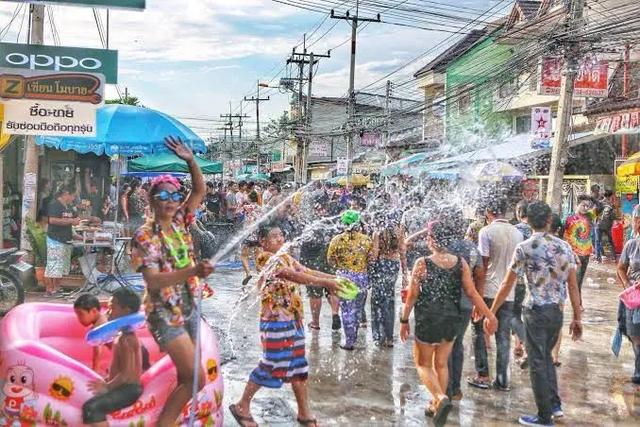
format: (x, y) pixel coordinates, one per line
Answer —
(545, 262)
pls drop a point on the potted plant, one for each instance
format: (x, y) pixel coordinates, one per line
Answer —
(38, 240)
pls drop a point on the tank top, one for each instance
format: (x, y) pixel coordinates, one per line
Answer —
(440, 285)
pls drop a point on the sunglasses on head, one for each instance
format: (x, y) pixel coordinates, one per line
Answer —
(164, 196)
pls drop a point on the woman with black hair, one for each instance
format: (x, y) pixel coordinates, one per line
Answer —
(435, 290)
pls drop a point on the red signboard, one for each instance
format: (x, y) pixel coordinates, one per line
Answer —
(619, 123)
(591, 81)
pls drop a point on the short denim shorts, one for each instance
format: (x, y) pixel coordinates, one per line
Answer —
(164, 333)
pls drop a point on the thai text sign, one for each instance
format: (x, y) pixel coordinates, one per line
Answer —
(127, 4)
(319, 149)
(54, 58)
(619, 123)
(370, 139)
(626, 184)
(50, 118)
(72, 87)
(342, 166)
(591, 81)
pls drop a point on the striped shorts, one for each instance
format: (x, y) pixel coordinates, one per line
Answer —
(283, 354)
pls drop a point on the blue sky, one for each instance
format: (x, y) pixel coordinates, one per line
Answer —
(190, 58)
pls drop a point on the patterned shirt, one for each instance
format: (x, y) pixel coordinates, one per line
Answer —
(350, 251)
(149, 250)
(524, 229)
(577, 232)
(280, 298)
(545, 261)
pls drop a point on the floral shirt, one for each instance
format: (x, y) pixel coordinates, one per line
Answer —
(545, 261)
(280, 298)
(350, 251)
(150, 251)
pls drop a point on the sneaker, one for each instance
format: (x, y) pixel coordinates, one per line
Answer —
(532, 420)
(336, 324)
(557, 412)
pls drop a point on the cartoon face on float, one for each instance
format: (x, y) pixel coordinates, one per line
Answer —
(61, 388)
(17, 390)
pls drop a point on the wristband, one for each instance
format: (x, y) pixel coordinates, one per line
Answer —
(404, 321)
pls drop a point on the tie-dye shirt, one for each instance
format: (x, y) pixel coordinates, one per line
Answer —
(577, 232)
(280, 298)
(545, 261)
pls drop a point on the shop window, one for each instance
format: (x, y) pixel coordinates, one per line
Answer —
(523, 124)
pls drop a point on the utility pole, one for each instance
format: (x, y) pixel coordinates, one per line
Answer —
(30, 178)
(387, 112)
(352, 72)
(302, 145)
(257, 100)
(565, 110)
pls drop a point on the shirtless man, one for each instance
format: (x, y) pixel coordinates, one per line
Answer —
(122, 388)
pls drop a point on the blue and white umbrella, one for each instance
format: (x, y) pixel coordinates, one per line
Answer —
(125, 130)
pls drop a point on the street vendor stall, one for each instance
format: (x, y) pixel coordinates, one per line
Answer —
(122, 131)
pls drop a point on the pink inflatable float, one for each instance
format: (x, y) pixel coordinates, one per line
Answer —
(45, 368)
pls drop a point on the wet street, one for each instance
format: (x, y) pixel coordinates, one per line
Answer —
(372, 386)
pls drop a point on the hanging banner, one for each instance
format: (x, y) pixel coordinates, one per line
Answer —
(591, 81)
(57, 58)
(5, 138)
(342, 166)
(618, 123)
(125, 4)
(626, 184)
(540, 127)
(47, 86)
(49, 118)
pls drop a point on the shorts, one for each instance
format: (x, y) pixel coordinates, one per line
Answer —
(317, 292)
(163, 333)
(283, 354)
(633, 329)
(437, 323)
(58, 259)
(95, 410)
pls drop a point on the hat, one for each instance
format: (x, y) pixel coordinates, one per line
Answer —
(636, 212)
(350, 217)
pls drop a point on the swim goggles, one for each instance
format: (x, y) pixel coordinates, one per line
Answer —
(164, 196)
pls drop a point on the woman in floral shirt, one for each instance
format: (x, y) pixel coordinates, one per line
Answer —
(281, 326)
(163, 252)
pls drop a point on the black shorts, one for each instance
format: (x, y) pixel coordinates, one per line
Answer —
(317, 292)
(437, 323)
(95, 410)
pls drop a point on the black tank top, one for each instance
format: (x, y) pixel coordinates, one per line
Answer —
(440, 285)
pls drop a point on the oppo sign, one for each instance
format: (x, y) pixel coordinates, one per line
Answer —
(40, 57)
(64, 63)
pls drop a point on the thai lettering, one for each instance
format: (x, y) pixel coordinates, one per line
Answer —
(35, 110)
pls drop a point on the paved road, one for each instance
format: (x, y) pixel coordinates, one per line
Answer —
(380, 387)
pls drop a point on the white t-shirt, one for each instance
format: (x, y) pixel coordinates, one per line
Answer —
(498, 241)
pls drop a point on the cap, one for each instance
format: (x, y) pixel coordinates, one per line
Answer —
(636, 212)
(350, 217)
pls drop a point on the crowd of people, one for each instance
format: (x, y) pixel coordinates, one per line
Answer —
(506, 277)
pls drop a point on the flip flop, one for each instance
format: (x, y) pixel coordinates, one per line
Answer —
(309, 422)
(312, 326)
(440, 417)
(429, 410)
(239, 418)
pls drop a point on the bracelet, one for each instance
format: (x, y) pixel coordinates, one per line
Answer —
(404, 321)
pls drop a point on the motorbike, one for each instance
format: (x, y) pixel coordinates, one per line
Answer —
(11, 286)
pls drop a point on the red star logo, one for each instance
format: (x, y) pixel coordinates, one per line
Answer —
(541, 122)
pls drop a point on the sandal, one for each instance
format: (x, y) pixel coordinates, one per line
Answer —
(313, 326)
(430, 411)
(479, 382)
(309, 422)
(440, 417)
(240, 419)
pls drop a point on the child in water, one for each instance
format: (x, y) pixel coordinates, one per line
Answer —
(281, 326)
(87, 308)
(123, 387)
